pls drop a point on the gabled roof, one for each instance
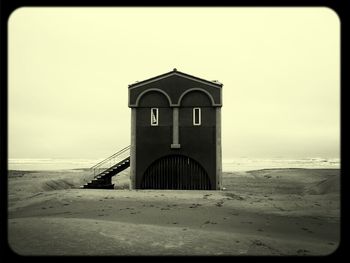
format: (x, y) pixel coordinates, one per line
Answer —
(178, 73)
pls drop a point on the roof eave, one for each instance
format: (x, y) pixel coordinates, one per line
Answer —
(174, 72)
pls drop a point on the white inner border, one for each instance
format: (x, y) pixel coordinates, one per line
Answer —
(156, 117)
(199, 117)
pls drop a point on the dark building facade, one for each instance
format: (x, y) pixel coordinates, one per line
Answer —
(175, 132)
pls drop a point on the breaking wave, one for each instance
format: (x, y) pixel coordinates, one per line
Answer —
(244, 164)
(236, 164)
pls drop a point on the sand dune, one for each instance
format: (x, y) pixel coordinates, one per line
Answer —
(326, 186)
(113, 237)
(263, 212)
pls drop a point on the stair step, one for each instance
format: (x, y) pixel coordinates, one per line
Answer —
(100, 186)
(99, 180)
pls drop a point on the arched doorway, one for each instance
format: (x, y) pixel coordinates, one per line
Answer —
(175, 172)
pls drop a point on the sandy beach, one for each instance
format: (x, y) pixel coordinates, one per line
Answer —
(261, 212)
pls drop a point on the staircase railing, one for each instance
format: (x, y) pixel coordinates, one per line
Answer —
(110, 161)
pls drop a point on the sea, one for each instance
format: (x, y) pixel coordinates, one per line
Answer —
(228, 165)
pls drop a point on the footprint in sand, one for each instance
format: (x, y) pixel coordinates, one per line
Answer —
(260, 230)
(307, 230)
(194, 205)
(302, 251)
(210, 222)
(258, 243)
(43, 208)
(219, 204)
(206, 196)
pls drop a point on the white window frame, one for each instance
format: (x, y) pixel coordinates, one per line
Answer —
(199, 117)
(157, 117)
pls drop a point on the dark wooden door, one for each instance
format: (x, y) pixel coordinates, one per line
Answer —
(175, 172)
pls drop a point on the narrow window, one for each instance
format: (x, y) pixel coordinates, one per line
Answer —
(154, 116)
(196, 116)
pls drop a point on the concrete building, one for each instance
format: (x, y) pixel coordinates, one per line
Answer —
(175, 132)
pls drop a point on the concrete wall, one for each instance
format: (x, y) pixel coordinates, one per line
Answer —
(201, 143)
(174, 87)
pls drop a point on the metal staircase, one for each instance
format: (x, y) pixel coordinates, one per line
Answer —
(104, 170)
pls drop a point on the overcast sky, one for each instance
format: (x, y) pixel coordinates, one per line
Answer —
(69, 70)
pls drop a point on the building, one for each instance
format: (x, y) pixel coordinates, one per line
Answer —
(175, 132)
